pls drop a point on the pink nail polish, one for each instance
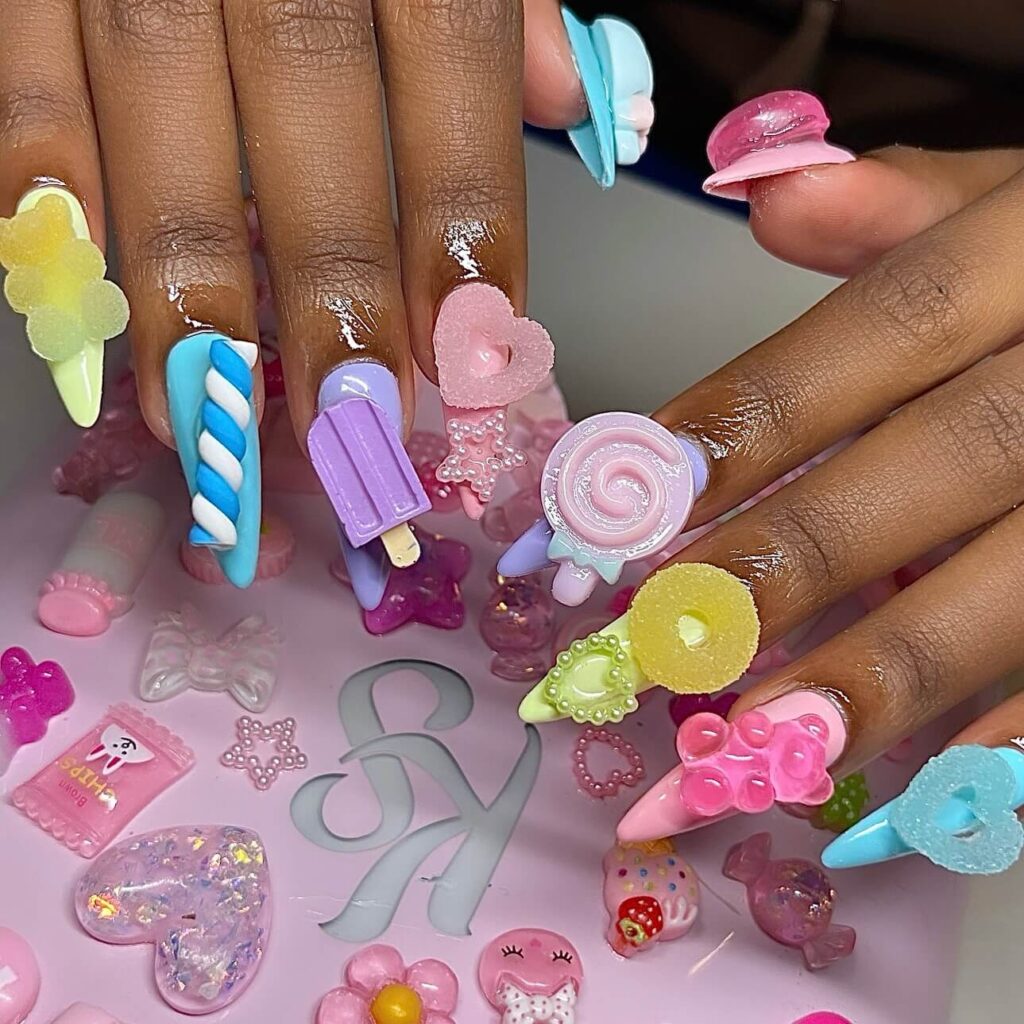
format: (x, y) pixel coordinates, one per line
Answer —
(778, 751)
(771, 134)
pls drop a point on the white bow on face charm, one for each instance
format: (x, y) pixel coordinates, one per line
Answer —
(521, 1008)
(183, 655)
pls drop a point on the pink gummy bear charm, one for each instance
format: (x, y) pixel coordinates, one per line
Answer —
(30, 695)
(751, 763)
(791, 901)
(651, 895)
(19, 978)
(530, 974)
(518, 624)
(771, 134)
(200, 894)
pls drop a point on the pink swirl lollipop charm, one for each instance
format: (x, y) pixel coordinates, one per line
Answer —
(616, 488)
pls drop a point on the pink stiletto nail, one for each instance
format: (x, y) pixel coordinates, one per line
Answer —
(772, 134)
(777, 752)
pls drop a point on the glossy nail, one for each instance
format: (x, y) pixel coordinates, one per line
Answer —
(356, 448)
(209, 391)
(771, 134)
(877, 837)
(742, 766)
(56, 278)
(618, 81)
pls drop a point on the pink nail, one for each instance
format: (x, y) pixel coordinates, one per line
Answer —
(778, 751)
(772, 134)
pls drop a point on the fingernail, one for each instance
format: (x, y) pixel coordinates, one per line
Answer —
(209, 391)
(487, 358)
(777, 752)
(936, 807)
(692, 628)
(771, 134)
(56, 279)
(356, 449)
(618, 81)
(616, 488)
(368, 570)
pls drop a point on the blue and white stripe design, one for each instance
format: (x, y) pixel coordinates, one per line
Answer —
(225, 416)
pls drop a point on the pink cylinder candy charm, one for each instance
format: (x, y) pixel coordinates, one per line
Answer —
(617, 487)
(81, 1013)
(98, 574)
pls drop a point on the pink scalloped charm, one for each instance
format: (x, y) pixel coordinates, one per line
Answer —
(751, 763)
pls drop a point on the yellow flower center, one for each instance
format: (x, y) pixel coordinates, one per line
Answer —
(396, 1004)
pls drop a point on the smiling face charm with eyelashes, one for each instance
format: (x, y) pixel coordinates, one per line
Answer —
(532, 976)
(118, 747)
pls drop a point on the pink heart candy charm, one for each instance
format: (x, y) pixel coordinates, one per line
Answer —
(200, 894)
(19, 977)
(487, 357)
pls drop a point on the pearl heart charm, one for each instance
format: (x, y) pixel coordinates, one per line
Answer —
(200, 894)
(487, 357)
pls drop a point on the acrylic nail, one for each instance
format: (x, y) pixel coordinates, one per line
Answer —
(487, 358)
(772, 134)
(617, 76)
(778, 751)
(356, 448)
(56, 278)
(210, 394)
(876, 838)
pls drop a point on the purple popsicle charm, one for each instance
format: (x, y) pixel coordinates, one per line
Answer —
(356, 450)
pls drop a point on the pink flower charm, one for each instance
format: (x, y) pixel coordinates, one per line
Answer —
(380, 989)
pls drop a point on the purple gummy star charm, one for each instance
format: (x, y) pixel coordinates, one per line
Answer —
(30, 695)
(791, 901)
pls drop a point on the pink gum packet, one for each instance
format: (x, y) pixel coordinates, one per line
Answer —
(88, 794)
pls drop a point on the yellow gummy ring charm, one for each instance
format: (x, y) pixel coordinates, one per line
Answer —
(397, 1004)
(694, 628)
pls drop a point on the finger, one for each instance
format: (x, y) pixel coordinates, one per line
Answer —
(920, 315)
(48, 138)
(552, 91)
(1001, 726)
(308, 87)
(165, 109)
(945, 464)
(837, 219)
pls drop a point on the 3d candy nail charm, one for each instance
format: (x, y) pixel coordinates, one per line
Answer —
(651, 895)
(277, 550)
(19, 978)
(846, 805)
(184, 655)
(602, 789)
(287, 756)
(210, 391)
(56, 279)
(771, 134)
(380, 989)
(823, 1017)
(30, 695)
(530, 974)
(791, 901)
(478, 453)
(618, 81)
(518, 622)
(199, 894)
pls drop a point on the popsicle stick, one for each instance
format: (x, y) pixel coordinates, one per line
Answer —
(401, 545)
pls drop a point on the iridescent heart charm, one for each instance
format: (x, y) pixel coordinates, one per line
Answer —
(200, 894)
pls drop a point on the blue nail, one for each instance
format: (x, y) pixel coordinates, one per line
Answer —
(875, 839)
(215, 430)
(529, 552)
(368, 570)
(618, 80)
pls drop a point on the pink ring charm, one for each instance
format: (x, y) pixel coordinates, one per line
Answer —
(601, 789)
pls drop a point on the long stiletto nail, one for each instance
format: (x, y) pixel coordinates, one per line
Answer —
(209, 390)
(692, 628)
(56, 279)
(616, 488)
(356, 448)
(617, 76)
(957, 811)
(777, 752)
(771, 134)
(487, 358)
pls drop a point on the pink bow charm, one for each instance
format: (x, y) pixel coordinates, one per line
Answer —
(182, 655)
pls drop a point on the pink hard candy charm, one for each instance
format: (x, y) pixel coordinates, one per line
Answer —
(791, 901)
(19, 978)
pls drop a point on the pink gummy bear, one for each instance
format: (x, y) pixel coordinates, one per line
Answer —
(751, 763)
(30, 695)
(651, 895)
(791, 901)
